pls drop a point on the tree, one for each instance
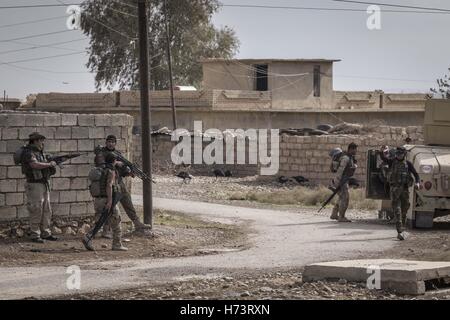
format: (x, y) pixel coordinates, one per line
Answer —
(113, 30)
(443, 87)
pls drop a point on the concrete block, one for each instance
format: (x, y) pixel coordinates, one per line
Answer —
(2, 200)
(69, 145)
(62, 209)
(69, 119)
(60, 183)
(52, 145)
(14, 120)
(8, 213)
(52, 120)
(97, 133)
(84, 159)
(79, 184)
(21, 185)
(2, 146)
(14, 199)
(34, 120)
(113, 130)
(85, 145)
(80, 133)
(10, 133)
(84, 196)
(22, 212)
(86, 120)
(67, 196)
(3, 172)
(103, 120)
(15, 173)
(83, 170)
(54, 196)
(69, 171)
(400, 276)
(8, 185)
(13, 145)
(78, 209)
(63, 133)
(119, 120)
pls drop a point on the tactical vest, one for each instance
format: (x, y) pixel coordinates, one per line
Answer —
(399, 175)
(99, 180)
(36, 175)
(349, 171)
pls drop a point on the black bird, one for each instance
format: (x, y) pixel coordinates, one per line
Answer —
(300, 179)
(185, 176)
(283, 179)
(219, 173)
(228, 173)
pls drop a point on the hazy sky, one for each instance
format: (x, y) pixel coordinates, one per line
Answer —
(409, 52)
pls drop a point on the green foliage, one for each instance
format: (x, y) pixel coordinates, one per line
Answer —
(113, 29)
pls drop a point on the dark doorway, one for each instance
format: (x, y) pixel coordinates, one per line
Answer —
(316, 81)
(262, 83)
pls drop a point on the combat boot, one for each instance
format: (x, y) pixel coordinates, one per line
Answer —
(87, 243)
(400, 236)
(343, 219)
(141, 227)
(119, 247)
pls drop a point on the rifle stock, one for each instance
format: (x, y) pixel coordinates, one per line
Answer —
(333, 194)
(104, 216)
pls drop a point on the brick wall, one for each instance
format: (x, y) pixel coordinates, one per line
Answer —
(66, 133)
(308, 156)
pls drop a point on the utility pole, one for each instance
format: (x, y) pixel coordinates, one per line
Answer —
(145, 111)
(169, 61)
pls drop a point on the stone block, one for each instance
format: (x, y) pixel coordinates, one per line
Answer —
(84, 196)
(86, 120)
(14, 199)
(69, 171)
(83, 170)
(63, 133)
(69, 145)
(8, 185)
(62, 209)
(15, 172)
(80, 133)
(8, 213)
(97, 133)
(52, 145)
(10, 133)
(69, 119)
(22, 212)
(103, 120)
(34, 120)
(60, 183)
(79, 184)
(13, 145)
(85, 145)
(15, 120)
(67, 196)
(52, 120)
(78, 209)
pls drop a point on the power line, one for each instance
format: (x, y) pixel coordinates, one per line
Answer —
(30, 22)
(43, 58)
(35, 36)
(37, 6)
(394, 5)
(38, 46)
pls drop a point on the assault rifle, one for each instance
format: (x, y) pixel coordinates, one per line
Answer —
(335, 191)
(60, 159)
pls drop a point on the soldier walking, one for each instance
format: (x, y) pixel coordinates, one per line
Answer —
(126, 201)
(37, 189)
(345, 170)
(400, 179)
(105, 187)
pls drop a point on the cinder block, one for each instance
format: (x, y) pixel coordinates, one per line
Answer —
(67, 196)
(15, 172)
(8, 213)
(97, 133)
(86, 120)
(13, 145)
(2, 200)
(79, 184)
(85, 145)
(52, 120)
(8, 185)
(69, 119)
(21, 185)
(15, 120)
(3, 172)
(119, 120)
(54, 196)
(52, 145)
(80, 133)
(90, 208)
(84, 196)
(60, 183)
(84, 159)
(2, 146)
(103, 120)
(34, 120)
(25, 132)
(78, 209)
(69, 145)
(69, 171)
(83, 170)
(63, 133)
(61, 209)
(22, 212)
(10, 133)
(117, 131)
(14, 199)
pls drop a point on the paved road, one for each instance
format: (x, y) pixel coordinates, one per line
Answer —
(279, 239)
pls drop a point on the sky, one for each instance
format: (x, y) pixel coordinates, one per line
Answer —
(407, 54)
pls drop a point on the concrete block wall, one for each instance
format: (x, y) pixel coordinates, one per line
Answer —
(66, 133)
(308, 155)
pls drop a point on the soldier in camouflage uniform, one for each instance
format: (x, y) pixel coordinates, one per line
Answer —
(400, 179)
(126, 202)
(37, 189)
(347, 168)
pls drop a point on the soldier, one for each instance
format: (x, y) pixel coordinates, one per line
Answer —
(37, 189)
(126, 202)
(400, 180)
(345, 170)
(108, 184)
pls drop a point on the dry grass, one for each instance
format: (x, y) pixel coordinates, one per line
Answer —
(306, 197)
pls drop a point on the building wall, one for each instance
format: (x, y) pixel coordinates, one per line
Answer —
(66, 133)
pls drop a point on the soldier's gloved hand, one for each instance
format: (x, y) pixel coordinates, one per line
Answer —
(53, 163)
(418, 186)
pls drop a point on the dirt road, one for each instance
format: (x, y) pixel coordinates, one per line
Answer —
(280, 239)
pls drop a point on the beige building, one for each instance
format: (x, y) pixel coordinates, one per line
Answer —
(290, 83)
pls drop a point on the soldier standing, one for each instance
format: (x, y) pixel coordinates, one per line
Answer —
(346, 169)
(108, 185)
(400, 180)
(126, 201)
(37, 189)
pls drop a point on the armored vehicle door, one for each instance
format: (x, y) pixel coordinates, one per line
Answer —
(376, 186)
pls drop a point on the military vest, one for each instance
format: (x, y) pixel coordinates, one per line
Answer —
(36, 175)
(349, 171)
(399, 175)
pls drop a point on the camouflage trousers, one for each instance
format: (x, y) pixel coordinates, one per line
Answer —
(38, 205)
(400, 205)
(341, 206)
(114, 221)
